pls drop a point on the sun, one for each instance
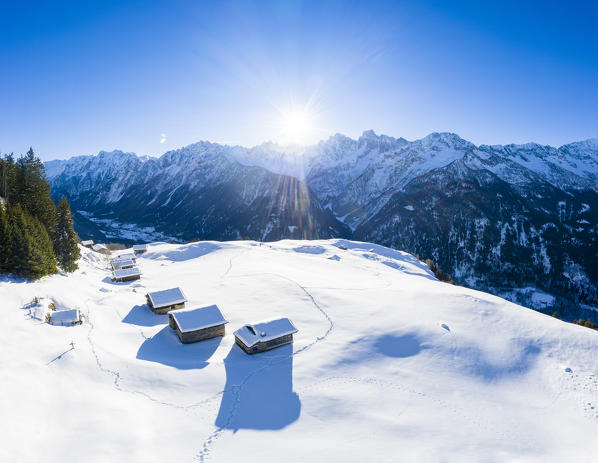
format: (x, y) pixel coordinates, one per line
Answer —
(295, 126)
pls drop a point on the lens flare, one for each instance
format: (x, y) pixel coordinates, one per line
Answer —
(296, 126)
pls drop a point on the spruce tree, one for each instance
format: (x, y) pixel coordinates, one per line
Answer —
(4, 240)
(30, 252)
(32, 190)
(7, 176)
(66, 242)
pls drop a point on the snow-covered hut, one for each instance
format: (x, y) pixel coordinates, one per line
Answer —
(267, 335)
(87, 243)
(192, 325)
(127, 255)
(64, 317)
(139, 248)
(119, 263)
(162, 302)
(102, 249)
(126, 274)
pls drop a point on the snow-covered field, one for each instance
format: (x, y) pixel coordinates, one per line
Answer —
(388, 365)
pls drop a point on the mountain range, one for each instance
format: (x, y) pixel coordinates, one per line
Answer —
(516, 220)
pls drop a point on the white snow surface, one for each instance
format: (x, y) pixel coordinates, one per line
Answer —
(198, 318)
(388, 365)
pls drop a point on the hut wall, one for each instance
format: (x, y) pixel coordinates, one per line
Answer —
(200, 335)
(168, 308)
(264, 346)
(128, 278)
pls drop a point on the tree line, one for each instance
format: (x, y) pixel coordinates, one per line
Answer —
(36, 237)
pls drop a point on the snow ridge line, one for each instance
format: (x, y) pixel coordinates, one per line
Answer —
(205, 449)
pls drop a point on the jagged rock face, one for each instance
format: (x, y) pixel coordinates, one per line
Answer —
(499, 218)
(197, 192)
(494, 236)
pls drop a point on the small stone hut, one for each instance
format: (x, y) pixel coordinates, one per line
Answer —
(192, 325)
(102, 249)
(64, 317)
(162, 302)
(139, 248)
(126, 274)
(87, 243)
(127, 255)
(119, 263)
(264, 336)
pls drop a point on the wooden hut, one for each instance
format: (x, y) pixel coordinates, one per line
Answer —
(139, 249)
(102, 249)
(127, 255)
(118, 263)
(267, 335)
(64, 317)
(162, 302)
(87, 243)
(126, 274)
(192, 325)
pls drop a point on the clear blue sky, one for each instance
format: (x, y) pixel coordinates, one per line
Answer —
(78, 77)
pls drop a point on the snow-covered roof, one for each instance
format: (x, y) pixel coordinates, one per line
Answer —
(127, 255)
(99, 247)
(140, 247)
(87, 243)
(126, 272)
(198, 319)
(64, 317)
(265, 331)
(167, 297)
(121, 263)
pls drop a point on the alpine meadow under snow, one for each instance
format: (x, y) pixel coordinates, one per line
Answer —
(388, 364)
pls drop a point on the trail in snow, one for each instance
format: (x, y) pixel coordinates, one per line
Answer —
(237, 389)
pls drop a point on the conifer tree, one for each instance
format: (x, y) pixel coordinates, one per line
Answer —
(4, 240)
(32, 190)
(7, 176)
(30, 252)
(66, 243)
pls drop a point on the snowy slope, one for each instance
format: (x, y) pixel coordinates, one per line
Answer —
(388, 365)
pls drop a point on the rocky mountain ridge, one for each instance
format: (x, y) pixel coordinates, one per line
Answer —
(479, 211)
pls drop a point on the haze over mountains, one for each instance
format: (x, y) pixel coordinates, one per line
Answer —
(516, 220)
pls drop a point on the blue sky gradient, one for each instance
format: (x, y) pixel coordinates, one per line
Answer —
(79, 77)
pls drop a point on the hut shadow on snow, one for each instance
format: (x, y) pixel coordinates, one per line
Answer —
(109, 281)
(142, 315)
(165, 348)
(259, 391)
